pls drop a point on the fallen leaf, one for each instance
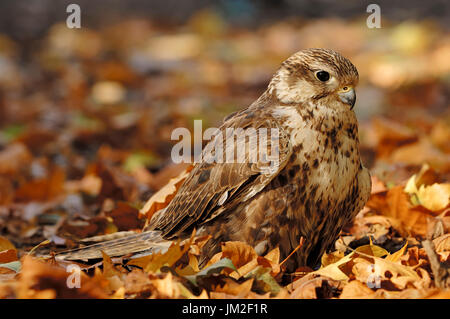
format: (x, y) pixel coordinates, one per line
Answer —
(355, 289)
(125, 217)
(442, 245)
(212, 269)
(7, 256)
(42, 189)
(233, 288)
(13, 158)
(264, 280)
(395, 257)
(13, 265)
(111, 273)
(166, 287)
(434, 197)
(42, 280)
(5, 244)
(421, 152)
(391, 135)
(334, 270)
(162, 198)
(331, 258)
(240, 253)
(153, 262)
(313, 287)
(8, 252)
(89, 184)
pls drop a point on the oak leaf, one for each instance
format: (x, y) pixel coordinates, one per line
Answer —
(162, 198)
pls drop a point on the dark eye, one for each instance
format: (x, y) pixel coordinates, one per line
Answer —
(323, 76)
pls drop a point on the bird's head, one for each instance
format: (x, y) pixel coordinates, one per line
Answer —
(316, 75)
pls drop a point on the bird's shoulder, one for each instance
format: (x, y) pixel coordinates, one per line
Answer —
(215, 186)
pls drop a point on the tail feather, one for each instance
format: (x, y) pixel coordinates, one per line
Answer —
(103, 238)
(149, 240)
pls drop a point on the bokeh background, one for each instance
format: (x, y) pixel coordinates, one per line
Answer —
(86, 114)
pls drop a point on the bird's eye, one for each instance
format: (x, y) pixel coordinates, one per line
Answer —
(322, 76)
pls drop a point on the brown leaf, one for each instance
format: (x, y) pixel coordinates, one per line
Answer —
(42, 189)
(422, 152)
(5, 244)
(233, 288)
(442, 245)
(166, 287)
(154, 262)
(240, 253)
(391, 135)
(113, 276)
(162, 198)
(6, 191)
(395, 257)
(396, 205)
(89, 184)
(81, 229)
(163, 177)
(13, 158)
(7, 256)
(125, 217)
(8, 253)
(273, 257)
(138, 284)
(42, 280)
(374, 226)
(115, 183)
(377, 185)
(356, 289)
(313, 287)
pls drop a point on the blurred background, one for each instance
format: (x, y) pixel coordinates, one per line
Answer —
(86, 114)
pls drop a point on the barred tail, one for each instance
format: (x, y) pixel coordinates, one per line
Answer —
(149, 240)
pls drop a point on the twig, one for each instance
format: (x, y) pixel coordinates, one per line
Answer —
(302, 240)
(45, 242)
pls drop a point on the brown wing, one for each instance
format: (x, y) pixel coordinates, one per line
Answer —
(213, 188)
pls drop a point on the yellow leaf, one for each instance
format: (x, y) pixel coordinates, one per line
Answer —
(333, 270)
(240, 253)
(411, 187)
(5, 244)
(108, 267)
(167, 287)
(395, 257)
(372, 250)
(273, 257)
(328, 259)
(434, 197)
(232, 288)
(154, 262)
(162, 198)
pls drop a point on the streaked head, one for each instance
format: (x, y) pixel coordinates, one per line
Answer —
(315, 74)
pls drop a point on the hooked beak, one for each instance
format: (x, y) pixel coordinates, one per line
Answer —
(348, 97)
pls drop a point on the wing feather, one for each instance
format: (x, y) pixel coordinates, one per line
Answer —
(214, 188)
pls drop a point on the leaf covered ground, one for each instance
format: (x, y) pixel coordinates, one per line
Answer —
(85, 125)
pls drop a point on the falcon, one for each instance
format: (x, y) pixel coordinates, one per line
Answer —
(318, 185)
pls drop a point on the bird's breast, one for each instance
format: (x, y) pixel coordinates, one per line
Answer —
(325, 154)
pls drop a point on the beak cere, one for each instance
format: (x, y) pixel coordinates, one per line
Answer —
(348, 97)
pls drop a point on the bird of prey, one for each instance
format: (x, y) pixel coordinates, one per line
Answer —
(316, 187)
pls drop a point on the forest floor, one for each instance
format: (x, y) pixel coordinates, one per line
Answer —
(85, 126)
